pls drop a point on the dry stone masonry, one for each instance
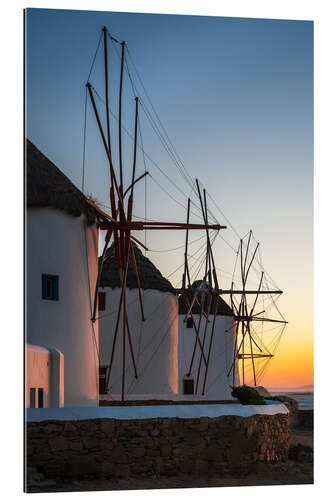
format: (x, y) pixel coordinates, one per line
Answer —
(110, 448)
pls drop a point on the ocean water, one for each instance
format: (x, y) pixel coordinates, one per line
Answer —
(304, 399)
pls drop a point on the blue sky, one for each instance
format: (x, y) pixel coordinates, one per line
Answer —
(236, 97)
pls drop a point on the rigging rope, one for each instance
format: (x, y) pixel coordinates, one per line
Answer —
(186, 174)
(153, 162)
(84, 140)
(94, 58)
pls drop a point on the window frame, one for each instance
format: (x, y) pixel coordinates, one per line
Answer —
(189, 322)
(50, 283)
(187, 381)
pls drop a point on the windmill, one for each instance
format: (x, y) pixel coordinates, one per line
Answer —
(119, 224)
(250, 347)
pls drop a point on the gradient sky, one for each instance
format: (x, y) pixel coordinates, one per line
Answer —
(236, 97)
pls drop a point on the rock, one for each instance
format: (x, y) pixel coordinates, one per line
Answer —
(76, 446)
(166, 449)
(70, 428)
(107, 426)
(49, 428)
(262, 391)
(290, 403)
(90, 442)
(118, 455)
(186, 467)
(123, 471)
(81, 466)
(159, 465)
(138, 452)
(107, 469)
(58, 443)
(201, 466)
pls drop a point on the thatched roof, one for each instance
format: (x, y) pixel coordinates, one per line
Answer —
(47, 186)
(222, 308)
(150, 276)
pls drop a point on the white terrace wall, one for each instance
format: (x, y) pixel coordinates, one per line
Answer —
(155, 342)
(58, 244)
(44, 371)
(218, 382)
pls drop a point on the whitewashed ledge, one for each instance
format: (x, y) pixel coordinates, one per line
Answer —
(159, 411)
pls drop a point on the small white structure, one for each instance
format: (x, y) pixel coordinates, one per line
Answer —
(61, 273)
(218, 383)
(44, 382)
(155, 340)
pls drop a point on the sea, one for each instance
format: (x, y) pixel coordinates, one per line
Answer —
(304, 399)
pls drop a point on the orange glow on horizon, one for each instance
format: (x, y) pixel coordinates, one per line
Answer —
(292, 365)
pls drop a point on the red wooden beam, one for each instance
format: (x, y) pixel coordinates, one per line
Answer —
(141, 226)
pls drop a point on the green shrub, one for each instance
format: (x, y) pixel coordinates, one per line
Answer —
(247, 395)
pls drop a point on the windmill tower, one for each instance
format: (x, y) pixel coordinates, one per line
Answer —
(216, 330)
(151, 356)
(61, 267)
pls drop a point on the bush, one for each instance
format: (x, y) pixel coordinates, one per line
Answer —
(247, 395)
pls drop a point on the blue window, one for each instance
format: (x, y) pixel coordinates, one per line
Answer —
(50, 287)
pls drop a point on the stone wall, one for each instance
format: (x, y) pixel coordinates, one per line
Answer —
(105, 448)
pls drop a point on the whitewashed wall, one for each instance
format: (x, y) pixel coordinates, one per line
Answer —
(56, 244)
(155, 342)
(218, 383)
(44, 369)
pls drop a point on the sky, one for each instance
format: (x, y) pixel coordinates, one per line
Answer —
(236, 98)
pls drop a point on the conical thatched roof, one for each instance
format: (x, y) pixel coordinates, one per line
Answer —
(222, 308)
(150, 276)
(47, 186)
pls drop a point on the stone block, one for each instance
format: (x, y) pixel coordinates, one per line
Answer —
(58, 443)
(76, 446)
(166, 449)
(49, 428)
(159, 465)
(90, 442)
(201, 466)
(138, 452)
(70, 428)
